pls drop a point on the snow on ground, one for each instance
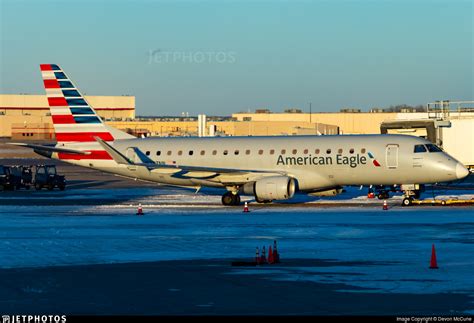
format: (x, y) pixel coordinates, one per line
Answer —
(368, 247)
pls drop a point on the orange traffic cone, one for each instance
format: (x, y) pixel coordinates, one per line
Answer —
(257, 256)
(276, 256)
(433, 262)
(385, 206)
(263, 257)
(140, 209)
(246, 207)
(271, 259)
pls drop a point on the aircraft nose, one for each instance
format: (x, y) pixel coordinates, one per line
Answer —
(461, 171)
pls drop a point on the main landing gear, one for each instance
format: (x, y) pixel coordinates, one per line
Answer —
(231, 199)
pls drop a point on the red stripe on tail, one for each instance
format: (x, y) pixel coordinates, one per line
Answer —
(63, 119)
(46, 67)
(83, 136)
(94, 154)
(57, 102)
(51, 84)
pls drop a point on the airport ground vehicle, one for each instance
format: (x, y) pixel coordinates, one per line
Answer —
(23, 176)
(7, 181)
(46, 176)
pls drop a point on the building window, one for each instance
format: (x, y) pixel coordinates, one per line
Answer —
(294, 151)
(247, 152)
(272, 151)
(283, 151)
(362, 150)
(148, 153)
(180, 153)
(203, 152)
(328, 151)
(169, 153)
(226, 152)
(236, 152)
(339, 151)
(191, 152)
(316, 151)
(158, 152)
(351, 150)
(305, 151)
(214, 152)
(260, 152)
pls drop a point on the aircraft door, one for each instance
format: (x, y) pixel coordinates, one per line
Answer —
(391, 156)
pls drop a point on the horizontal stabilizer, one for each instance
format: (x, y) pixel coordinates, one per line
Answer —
(51, 148)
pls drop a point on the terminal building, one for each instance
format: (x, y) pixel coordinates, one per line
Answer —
(27, 117)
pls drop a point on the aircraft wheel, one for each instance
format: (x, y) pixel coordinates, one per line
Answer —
(228, 199)
(236, 199)
(407, 201)
(443, 202)
(62, 187)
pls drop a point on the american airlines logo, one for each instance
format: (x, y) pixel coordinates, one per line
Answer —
(351, 161)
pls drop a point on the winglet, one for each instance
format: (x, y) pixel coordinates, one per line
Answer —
(116, 155)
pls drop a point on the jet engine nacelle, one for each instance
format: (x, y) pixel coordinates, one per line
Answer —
(271, 188)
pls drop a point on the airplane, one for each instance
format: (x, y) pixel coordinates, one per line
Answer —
(268, 167)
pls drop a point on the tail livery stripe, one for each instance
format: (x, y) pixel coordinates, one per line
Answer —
(69, 109)
(94, 154)
(83, 136)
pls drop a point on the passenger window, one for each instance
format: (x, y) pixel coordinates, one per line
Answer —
(283, 151)
(362, 150)
(226, 152)
(317, 151)
(158, 152)
(191, 153)
(420, 149)
(203, 152)
(236, 152)
(294, 151)
(339, 151)
(180, 153)
(214, 152)
(328, 151)
(247, 152)
(351, 150)
(272, 151)
(169, 153)
(305, 151)
(433, 148)
(148, 153)
(260, 152)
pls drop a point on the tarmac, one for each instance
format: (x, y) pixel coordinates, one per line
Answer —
(85, 251)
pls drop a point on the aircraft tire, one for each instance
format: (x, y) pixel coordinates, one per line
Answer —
(407, 201)
(228, 199)
(236, 199)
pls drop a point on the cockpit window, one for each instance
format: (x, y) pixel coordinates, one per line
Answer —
(420, 149)
(433, 148)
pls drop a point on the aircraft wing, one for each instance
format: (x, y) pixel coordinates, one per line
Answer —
(221, 175)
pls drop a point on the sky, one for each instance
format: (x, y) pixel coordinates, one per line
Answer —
(220, 57)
